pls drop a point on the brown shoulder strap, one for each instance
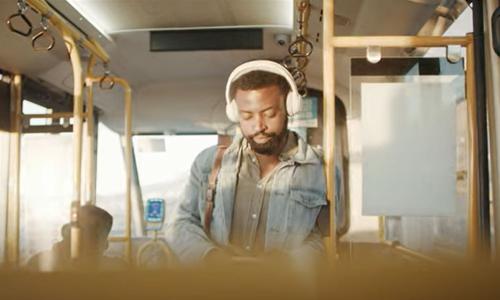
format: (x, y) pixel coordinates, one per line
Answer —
(212, 183)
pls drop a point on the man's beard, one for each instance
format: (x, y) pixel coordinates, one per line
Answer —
(271, 146)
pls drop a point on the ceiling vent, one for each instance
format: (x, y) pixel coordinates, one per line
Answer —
(206, 39)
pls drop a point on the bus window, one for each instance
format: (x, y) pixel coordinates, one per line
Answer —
(164, 162)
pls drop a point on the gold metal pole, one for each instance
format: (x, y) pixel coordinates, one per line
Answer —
(473, 225)
(13, 201)
(56, 115)
(493, 90)
(128, 163)
(304, 8)
(329, 118)
(77, 140)
(415, 254)
(381, 228)
(58, 21)
(397, 41)
(128, 159)
(118, 239)
(91, 153)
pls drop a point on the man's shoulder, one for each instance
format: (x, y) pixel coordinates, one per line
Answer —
(206, 154)
(309, 153)
(204, 160)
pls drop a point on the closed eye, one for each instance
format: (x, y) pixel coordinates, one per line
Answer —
(246, 116)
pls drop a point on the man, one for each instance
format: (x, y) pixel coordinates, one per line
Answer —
(270, 186)
(95, 225)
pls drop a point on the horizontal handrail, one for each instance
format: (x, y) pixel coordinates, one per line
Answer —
(398, 41)
(397, 245)
(56, 115)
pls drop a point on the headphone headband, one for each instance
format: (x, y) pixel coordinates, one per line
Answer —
(260, 65)
(293, 99)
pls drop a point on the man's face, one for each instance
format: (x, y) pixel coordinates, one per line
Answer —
(263, 118)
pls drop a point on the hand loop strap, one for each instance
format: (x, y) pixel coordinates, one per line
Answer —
(212, 184)
(107, 82)
(22, 8)
(295, 48)
(44, 23)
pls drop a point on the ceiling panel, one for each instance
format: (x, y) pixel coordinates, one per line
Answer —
(129, 15)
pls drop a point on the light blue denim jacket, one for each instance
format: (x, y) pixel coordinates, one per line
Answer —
(296, 197)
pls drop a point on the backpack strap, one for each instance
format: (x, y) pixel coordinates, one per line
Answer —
(212, 184)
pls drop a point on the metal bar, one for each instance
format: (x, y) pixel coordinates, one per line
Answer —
(58, 21)
(482, 128)
(304, 13)
(473, 225)
(77, 140)
(13, 200)
(56, 115)
(128, 163)
(396, 245)
(140, 223)
(493, 97)
(47, 129)
(329, 119)
(91, 150)
(128, 157)
(381, 228)
(397, 41)
(118, 239)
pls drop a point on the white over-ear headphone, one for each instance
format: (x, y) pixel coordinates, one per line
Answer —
(293, 99)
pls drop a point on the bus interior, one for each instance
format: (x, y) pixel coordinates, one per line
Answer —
(108, 103)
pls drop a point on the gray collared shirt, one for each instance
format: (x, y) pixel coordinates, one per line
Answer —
(251, 203)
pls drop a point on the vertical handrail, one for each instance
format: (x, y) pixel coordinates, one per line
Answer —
(483, 201)
(91, 155)
(13, 201)
(493, 93)
(329, 120)
(127, 142)
(128, 164)
(473, 220)
(77, 140)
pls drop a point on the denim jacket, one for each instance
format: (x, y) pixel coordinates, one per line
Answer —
(297, 195)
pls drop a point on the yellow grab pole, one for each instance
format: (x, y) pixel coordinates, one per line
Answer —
(91, 153)
(412, 253)
(329, 119)
(128, 158)
(13, 201)
(77, 140)
(128, 163)
(397, 41)
(473, 221)
(56, 115)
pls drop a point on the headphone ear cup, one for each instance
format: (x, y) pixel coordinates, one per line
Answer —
(293, 103)
(232, 111)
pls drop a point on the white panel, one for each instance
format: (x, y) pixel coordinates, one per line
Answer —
(408, 132)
